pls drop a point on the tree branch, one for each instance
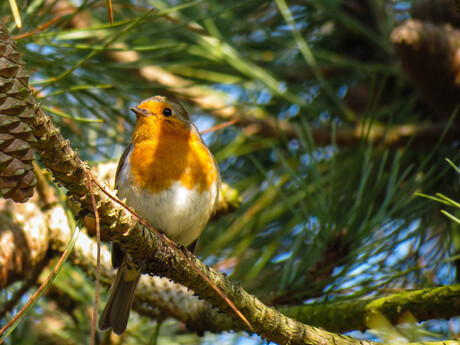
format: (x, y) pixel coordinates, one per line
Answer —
(426, 304)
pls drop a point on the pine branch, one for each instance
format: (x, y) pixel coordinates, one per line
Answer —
(426, 304)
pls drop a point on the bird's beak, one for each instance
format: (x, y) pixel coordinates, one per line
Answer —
(139, 112)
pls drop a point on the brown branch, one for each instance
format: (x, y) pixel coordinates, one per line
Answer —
(255, 121)
(421, 135)
(98, 242)
(37, 30)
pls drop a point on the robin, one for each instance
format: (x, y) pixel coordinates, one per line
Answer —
(170, 178)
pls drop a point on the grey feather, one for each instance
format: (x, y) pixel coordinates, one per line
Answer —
(118, 307)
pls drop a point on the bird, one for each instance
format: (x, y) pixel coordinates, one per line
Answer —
(170, 178)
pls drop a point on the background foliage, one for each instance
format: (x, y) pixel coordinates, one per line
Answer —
(328, 206)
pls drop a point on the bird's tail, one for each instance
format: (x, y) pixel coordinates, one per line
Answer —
(116, 311)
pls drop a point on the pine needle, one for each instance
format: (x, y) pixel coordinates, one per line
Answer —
(15, 11)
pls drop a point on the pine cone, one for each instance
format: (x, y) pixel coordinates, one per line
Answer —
(430, 55)
(17, 179)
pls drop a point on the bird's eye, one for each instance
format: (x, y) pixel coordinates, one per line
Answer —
(167, 112)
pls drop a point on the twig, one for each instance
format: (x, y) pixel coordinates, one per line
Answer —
(110, 10)
(98, 256)
(40, 28)
(220, 126)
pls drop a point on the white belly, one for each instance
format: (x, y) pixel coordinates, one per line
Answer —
(178, 212)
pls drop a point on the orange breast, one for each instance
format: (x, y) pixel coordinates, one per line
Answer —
(166, 151)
